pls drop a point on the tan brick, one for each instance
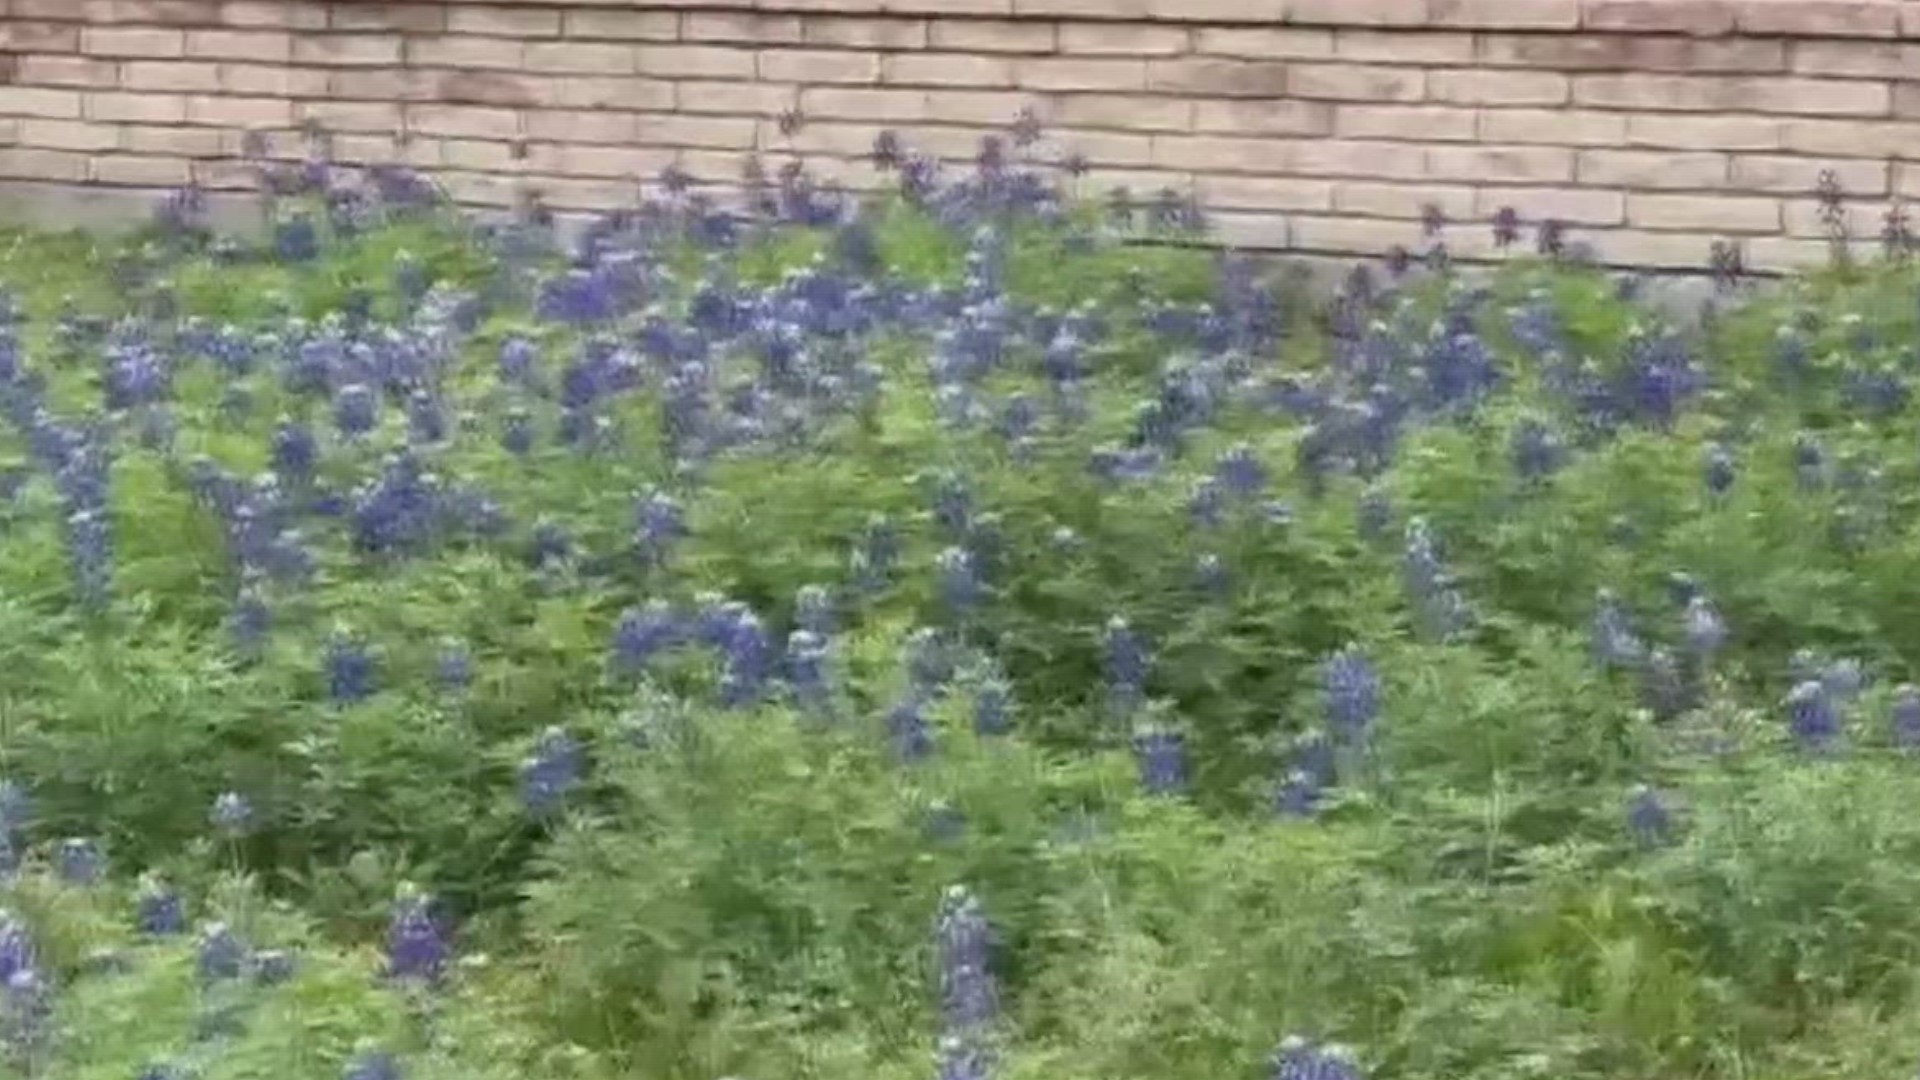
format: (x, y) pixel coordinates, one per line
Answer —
(143, 41)
(850, 103)
(1075, 74)
(741, 27)
(1356, 82)
(63, 71)
(1652, 169)
(1657, 250)
(579, 58)
(140, 171)
(1483, 87)
(819, 66)
(347, 50)
(1906, 100)
(858, 33)
(29, 36)
(749, 98)
(1405, 201)
(1126, 112)
(580, 127)
(1785, 253)
(411, 18)
(693, 62)
(291, 14)
(1501, 164)
(241, 111)
(1633, 52)
(1265, 43)
(1095, 9)
(260, 46)
(225, 174)
(1108, 148)
(1864, 59)
(1124, 39)
(1357, 12)
(1352, 235)
(171, 141)
(1855, 138)
(1717, 213)
(1785, 95)
(1219, 154)
(1703, 17)
(612, 93)
(1265, 192)
(1821, 18)
(1861, 218)
(480, 189)
(1784, 175)
(397, 84)
(137, 108)
(992, 36)
(165, 75)
(1222, 78)
(350, 116)
(622, 25)
(513, 22)
(1573, 206)
(1907, 181)
(58, 10)
(1398, 47)
(1553, 127)
(946, 69)
(571, 193)
(462, 121)
(670, 129)
(482, 154)
(68, 135)
(152, 12)
(42, 102)
(503, 54)
(995, 108)
(1271, 116)
(1355, 157)
(33, 163)
(1264, 231)
(1505, 14)
(1706, 132)
(1416, 122)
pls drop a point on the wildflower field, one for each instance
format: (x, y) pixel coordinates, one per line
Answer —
(967, 633)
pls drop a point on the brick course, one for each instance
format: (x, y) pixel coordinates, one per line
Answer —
(1651, 127)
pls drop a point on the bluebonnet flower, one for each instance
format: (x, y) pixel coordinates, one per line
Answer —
(159, 910)
(554, 769)
(1126, 666)
(90, 555)
(959, 580)
(1615, 645)
(1648, 818)
(417, 947)
(221, 954)
(1904, 717)
(1298, 1059)
(1706, 631)
(271, 967)
(1441, 609)
(1298, 794)
(952, 504)
(17, 952)
(1375, 513)
(746, 660)
(517, 359)
(929, 661)
(964, 1059)
(1162, 757)
(1809, 463)
(908, 730)
(550, 545)
(659, 521)
(964, 943)
(372, 1065)
(1351, 689)
(1537, 450)
(1720, 470)
(1813, 717)
(813, 609)
(355, 409)
(453, 668)
(1843, 679)
(516, 432)
(1240, 473)
(992, 707)
(295, 451)
(26, 1007)
(426, 423)
(1207, 504)
(350, 670)
(79, 861)
(1210, 574)
(808, 657)
(232, 814)
(296, 240)
(16, 808)
(1663, 686)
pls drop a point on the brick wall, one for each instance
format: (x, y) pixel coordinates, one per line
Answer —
(1652, 127)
